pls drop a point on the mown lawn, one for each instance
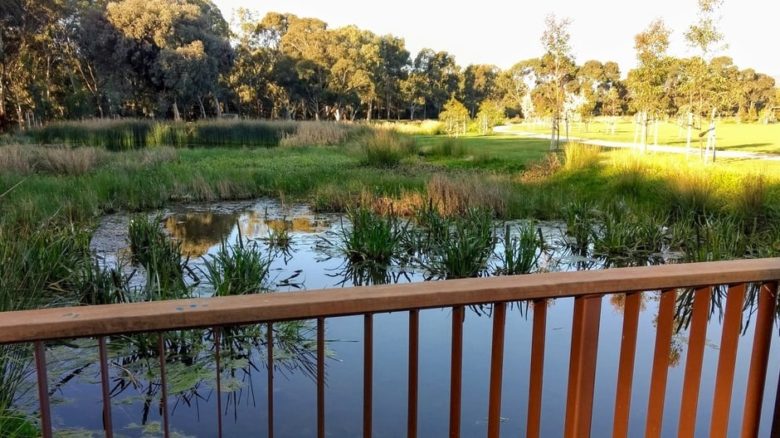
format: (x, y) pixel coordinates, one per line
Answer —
(730, 135)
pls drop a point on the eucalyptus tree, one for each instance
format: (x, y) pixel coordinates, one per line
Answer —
(513, 87)
(392, 70)
(704, 36)
(479, 84)
(555, 71)
(647, 83)
(440, 77)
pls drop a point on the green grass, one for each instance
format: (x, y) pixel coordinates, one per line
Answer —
(731, 135)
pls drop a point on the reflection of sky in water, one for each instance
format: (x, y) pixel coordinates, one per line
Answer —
(203, 229)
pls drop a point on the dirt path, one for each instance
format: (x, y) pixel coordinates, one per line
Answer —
(726, 154)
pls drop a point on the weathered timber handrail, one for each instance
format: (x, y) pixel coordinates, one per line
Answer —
(106, 320)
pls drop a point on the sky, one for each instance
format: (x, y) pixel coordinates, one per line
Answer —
(502, 32)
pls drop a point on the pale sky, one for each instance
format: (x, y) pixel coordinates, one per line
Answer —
(502, 32)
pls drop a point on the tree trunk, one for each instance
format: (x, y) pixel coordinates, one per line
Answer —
(202, 108)
(690, 128)
(370, 110)
(176, 115)
(218, 107)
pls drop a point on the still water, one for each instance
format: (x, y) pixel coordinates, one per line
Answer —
(313, 264)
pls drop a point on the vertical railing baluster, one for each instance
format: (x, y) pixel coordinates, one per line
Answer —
(582, 366)
(536, 378)
(43, 389)
(163, 386)
(270, 353)
(759, 360)
(625, 377)
(693, 364)
(368, 374)
(321, 377)
(104, 387)
(496, 370)
(724, 379)
(414, 351)
(660, 372)
(217, 351)
(456, 370)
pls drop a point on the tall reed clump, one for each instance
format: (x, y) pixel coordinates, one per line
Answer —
(371, 238)
(112, 134)
(238, 269)
(161, 258)
(467, 248)
(317, 134)
(580, 156)
(448, 148)
(237, 133)
(522, 250)
(385, 148)
(581, 222)
(453, 196)
(625, 237)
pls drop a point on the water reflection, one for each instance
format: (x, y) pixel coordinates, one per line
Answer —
(307, 263)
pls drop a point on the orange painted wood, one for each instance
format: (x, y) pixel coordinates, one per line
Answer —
(625, 377)
(582, 366)
(412, 391)
(106, 320)
(693, 364)
(724, 379)
(533, 427)
(759, 360)
(456, 371)
(496, 370)
(368, 374)
(660, 372)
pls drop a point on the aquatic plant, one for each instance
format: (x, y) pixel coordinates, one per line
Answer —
(238, 269)
(522, 250)
(580, 156)
(466, 249)
(385, 148)
(371, 237)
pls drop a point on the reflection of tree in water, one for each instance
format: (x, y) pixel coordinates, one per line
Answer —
(198, 232)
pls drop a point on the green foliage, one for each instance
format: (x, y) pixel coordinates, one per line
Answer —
(161, 258)
(577, 156)
(466, 248)
(126, 134)
(448, 148)
(490, 115)
(385, 148)
(522, 250)
(455, 117)
(371, 238)
(238, 269)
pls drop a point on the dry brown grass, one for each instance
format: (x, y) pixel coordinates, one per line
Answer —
(457, 195)
(58, 160)
(541, 170)
(317, 134)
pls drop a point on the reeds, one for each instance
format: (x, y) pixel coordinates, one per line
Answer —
(522, 250)
(466, 248)
(57, 160)
(317, 134)
(371, 237)
(453, 196)
(385, 148)
(238, 269)
(580, 156)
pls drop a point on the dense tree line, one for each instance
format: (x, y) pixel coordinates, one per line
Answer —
(179, 59)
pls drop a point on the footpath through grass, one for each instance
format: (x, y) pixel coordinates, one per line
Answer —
(748, 137)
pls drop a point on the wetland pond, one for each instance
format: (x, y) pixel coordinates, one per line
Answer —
(313, 262)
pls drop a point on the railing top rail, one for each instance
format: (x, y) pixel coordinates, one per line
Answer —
(104, 320)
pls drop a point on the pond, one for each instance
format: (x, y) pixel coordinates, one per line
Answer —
(314, 262)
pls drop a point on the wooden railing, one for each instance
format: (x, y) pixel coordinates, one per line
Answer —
(587, 288)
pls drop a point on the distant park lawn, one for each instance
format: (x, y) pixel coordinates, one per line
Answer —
(753, 137)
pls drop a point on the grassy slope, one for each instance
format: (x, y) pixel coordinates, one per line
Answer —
(730, 135)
